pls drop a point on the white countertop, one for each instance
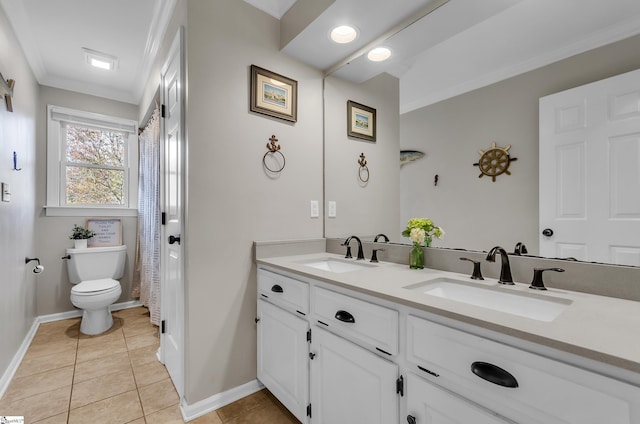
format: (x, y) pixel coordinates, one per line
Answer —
(599, 328)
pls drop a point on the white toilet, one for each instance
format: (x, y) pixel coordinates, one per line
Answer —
(94, 272)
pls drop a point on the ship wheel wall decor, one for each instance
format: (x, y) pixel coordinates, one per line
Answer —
(494, 161)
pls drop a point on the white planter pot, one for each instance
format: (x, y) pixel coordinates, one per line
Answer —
(80, 244)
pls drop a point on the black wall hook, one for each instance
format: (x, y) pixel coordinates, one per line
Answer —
(15, 162)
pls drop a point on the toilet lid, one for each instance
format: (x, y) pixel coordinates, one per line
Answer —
(92, 286)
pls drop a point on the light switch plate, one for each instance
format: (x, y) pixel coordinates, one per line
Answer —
(332, 209)
(6, 192)
(315, 209)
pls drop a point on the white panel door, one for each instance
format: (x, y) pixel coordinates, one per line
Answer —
(172, 313)
(349, 384)
(590, 172)
(429, 404)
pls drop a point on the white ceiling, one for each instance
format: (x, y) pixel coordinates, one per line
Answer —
(462, 45)
(465, 44)
(52, 34)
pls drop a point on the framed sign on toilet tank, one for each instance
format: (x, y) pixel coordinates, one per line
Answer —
(108, 232)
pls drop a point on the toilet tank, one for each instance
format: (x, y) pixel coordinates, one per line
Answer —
(94, 263)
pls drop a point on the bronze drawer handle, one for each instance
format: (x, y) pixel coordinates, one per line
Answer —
(494, 374)
(345, 316)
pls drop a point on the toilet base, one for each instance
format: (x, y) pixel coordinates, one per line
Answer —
(96, 321)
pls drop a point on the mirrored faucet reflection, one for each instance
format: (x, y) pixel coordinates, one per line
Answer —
(505, 269)
(360, 251)
(520, 249)
(386, 239)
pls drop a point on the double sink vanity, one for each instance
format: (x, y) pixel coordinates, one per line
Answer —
(350, 341)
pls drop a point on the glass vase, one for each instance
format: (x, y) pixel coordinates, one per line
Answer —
(416, 258)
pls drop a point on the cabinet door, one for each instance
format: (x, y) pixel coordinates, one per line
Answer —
(283, 357)
(350, 384)
(429, 404)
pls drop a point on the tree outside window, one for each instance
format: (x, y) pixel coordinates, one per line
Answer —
(95, 165)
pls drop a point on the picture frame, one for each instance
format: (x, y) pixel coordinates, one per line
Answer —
(108, 232)
(361, 121)
(273, 94)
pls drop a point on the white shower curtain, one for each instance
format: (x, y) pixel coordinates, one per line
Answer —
(147, 270)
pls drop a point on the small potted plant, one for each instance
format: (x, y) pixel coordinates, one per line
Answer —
(80, 235)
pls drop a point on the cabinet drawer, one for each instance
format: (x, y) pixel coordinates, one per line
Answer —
(373, 325)
(286, 292)
(546, 391)
(428, 403)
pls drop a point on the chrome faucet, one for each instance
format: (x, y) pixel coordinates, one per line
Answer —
(360, 252)
(505, 269)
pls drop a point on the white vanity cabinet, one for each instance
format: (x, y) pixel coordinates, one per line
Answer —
(525, 387)
(430, 404)
(283, 348)
(373, 361)
(350, 384)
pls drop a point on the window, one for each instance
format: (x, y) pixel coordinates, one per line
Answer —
(89, 159)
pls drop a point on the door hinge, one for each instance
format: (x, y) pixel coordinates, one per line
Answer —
(400, 386)
(309, 335)
(162, 112)
(309, 410)
(163, 218)
(162, 326)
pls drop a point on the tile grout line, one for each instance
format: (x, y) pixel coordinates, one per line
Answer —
(73, 376)
(135, 380)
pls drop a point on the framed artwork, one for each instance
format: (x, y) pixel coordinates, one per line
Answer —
(273, 94)
(108, 232)
(361, 121)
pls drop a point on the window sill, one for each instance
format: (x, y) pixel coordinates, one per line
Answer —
(88, 211)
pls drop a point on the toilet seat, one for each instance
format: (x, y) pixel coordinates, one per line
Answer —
(94, 287)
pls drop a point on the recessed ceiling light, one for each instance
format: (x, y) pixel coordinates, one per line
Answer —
(344, 34)
(379, 54)
(100, 60)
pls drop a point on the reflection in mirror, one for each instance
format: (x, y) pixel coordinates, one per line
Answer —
(476, 213)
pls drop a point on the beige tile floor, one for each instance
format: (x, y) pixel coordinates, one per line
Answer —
(115, 377)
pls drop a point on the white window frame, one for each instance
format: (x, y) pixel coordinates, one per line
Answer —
(57, 116)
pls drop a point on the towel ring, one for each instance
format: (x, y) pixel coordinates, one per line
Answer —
(363, 172)
(273, 148)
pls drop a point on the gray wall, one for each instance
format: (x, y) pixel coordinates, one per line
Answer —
(53, 289)
(231, 200)
(475, 212)
(17, 230)
(371, 208)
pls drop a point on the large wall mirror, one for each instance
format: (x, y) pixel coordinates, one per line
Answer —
(467, 88)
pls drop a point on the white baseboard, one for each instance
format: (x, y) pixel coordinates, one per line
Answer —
(22, 350)
(78, 312)
(210, 404)
(17, 358)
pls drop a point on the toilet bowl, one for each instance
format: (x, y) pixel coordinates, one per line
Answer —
(94, 273)
(94, 297)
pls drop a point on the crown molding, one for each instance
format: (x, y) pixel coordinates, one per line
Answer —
(17, 17)
(162, 14)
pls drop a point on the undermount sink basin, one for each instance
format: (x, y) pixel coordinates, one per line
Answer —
(527, 305)
(336, 265)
